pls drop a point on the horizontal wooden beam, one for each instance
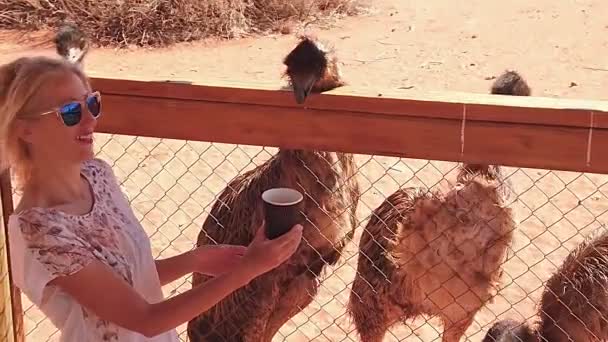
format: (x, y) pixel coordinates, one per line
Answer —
(547, 133)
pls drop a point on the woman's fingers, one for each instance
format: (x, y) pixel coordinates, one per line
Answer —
(294, 233)
(294, 236)
(268, 254)
(260, 234)
(288, 243)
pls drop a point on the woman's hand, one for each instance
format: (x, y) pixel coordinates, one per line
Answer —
(214, 260)
(263, 255)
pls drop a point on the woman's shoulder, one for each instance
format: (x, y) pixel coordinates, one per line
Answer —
(35, 223)
(98, 165)
(99, 171)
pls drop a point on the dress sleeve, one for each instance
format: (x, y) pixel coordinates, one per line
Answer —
(43, 248)
(107, 175)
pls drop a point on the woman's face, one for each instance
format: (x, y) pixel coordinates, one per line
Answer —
(50, 140)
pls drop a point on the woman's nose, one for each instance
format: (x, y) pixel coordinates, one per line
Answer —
(87, 118)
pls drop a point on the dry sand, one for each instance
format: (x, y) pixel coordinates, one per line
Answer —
(560, 47)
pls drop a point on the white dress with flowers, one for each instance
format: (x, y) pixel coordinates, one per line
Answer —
(46, 243)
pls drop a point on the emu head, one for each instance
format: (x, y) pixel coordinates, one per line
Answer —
(510, 83)
(509, 330)
(311, 67)
(71, 43)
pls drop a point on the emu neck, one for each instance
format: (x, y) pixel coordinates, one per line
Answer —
(321, 166)
(493, 173)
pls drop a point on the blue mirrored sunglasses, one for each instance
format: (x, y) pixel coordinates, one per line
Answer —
(71, 112)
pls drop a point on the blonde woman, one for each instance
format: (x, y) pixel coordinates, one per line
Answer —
(77, 250)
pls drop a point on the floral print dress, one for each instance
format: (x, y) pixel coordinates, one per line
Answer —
(46, 243)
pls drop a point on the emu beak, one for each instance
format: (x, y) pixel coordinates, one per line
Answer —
(302, 85)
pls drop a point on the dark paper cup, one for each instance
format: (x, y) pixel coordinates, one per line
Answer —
(282, 208)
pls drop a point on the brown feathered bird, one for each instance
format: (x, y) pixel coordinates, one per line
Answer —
(71, 43)
(312, 67)
(574, 303)
(331, 194)
(435, 253)
(510, 83)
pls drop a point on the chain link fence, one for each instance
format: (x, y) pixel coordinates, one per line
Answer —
(172, 185)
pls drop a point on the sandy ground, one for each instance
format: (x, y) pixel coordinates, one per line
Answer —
(425, 45)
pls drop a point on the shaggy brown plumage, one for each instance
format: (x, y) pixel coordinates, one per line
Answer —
(574, 304)
(510, 83)
(312, 67)
(434, 253)
(424, 252)
(71, 43)
(509, 330)
(331, 194)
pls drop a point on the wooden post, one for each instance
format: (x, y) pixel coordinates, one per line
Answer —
(11, 311)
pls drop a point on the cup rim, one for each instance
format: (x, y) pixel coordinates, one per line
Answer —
(292, 191)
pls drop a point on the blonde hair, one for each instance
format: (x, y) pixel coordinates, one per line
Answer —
(20, 80)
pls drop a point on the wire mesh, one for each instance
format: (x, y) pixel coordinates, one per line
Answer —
(172, 185)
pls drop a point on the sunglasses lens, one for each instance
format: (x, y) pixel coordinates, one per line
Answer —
(94, 105)
(71, 113)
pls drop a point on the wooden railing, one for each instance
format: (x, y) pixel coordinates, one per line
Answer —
(533, 132)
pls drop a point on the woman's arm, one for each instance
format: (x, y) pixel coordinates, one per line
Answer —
(175, 267)
(210, 260)
(125, 307)
(122, 305)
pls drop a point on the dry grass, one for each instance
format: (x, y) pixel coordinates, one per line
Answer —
(162, 22)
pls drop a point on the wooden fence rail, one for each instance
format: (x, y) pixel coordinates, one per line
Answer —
(534, 132)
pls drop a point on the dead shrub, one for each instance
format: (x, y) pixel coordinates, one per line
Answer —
(163, 22)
